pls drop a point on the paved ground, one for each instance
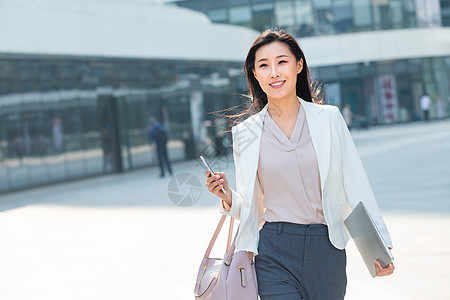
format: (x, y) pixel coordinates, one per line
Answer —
(120, 236)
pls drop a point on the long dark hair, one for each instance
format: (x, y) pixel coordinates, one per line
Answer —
(307, 89)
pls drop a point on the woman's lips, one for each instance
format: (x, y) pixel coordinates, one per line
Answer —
(278, 84)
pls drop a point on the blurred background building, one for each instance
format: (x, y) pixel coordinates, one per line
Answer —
(378, 56)
(79, 80)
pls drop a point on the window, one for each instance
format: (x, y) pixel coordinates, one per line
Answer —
(396, 13)
(349, 71)
(342, 12)
(362, 14)
(304, 17)
(324, 16)
(409, 14)
(218, 15)
(428, 13)
(240, 15)
(445, 12)
(262, 16)
(235, 2)
(284, 13)
(322, 4)
(381, 14)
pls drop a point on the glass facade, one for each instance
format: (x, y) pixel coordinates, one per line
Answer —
(445, 12)
(388, 91)
(65, 117)
(318, 17)
(378, 91)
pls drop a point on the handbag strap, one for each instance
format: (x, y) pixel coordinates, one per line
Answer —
(216, 234)
(230, 251)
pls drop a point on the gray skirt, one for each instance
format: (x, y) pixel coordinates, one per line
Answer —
(297, 261)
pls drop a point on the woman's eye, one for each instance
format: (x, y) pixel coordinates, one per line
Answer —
(262, 65)
(282, 61)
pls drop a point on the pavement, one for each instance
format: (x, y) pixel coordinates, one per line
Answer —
(138, 236)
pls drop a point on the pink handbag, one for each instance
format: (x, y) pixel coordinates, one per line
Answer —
(231, 278)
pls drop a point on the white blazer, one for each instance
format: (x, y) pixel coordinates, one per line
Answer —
(343, 180)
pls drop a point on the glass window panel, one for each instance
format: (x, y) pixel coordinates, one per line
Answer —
(401, 66)
(240, 14)
(123, 131)
(368, 69)
(73, 136)
(342, 12)
(396, 13)
(324, 21)
(362, 14)
(263, 17)
(434, 12)
(327, 73)
(333, 94)
(4, 153)
(35, 141)
(381, 14)
(304, 17)
(138, 113)
(349, 71)
(324, 16)
(213, 4)
(445, 12)
(18, 139)
(218, 15)
(284, 13)
(194, 4)
(263, 6)
(386, 67)
(447, 62)
(409, 14)
(55, 125)
(7, 70)
(322, 4)
(428, 13)
(91, 134)
(303, 12)
(236, 2)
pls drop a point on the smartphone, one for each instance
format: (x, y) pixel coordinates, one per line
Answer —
(211, 170)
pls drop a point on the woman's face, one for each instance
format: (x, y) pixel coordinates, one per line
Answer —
(276, 70)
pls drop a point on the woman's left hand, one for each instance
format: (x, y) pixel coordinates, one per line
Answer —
(383, 271)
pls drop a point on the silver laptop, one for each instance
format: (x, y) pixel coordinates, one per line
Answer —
(367, 238)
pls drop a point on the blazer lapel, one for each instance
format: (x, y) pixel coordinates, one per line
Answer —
(249, 132)
(319, 129)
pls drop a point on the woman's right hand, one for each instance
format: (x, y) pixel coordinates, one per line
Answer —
(215, 183)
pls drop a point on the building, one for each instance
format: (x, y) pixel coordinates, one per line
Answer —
(378, 56)
(80, 79)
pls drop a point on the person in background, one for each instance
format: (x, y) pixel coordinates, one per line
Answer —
(347, 114)
(158, 133)
(425, 102)
(441, 108)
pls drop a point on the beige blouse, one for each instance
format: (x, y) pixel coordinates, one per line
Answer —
(289, 174)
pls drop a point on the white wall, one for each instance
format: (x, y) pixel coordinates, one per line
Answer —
(118, 28)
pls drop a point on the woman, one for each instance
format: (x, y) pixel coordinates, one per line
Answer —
(297, 170)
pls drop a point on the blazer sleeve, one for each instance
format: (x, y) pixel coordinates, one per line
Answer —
(356, 183)
(236, 196)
